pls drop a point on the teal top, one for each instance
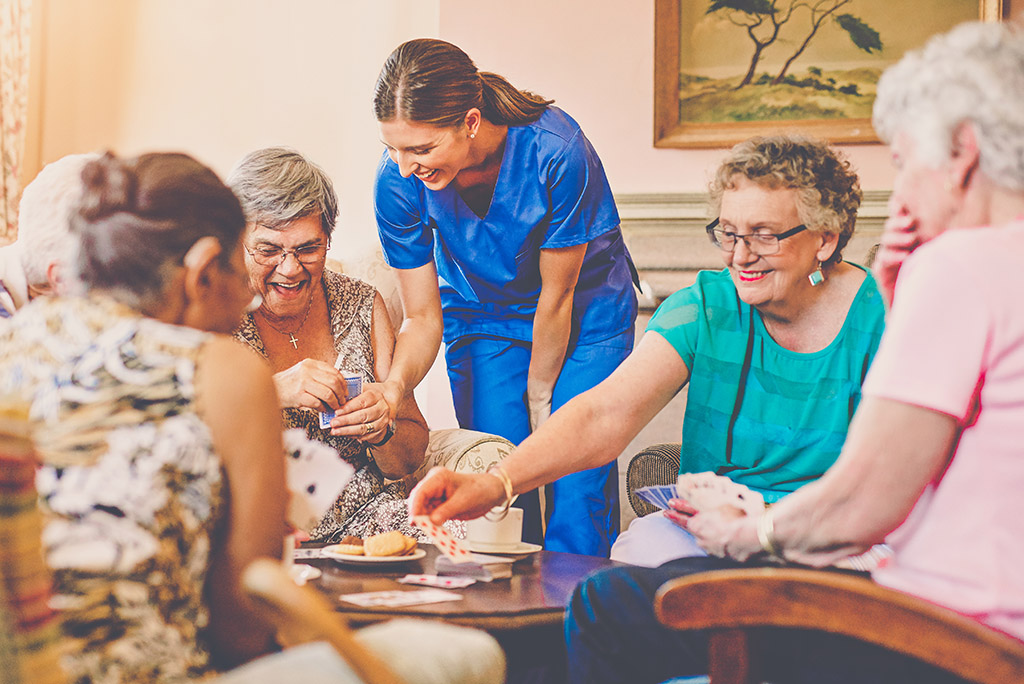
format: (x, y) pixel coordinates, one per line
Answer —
(765, 416)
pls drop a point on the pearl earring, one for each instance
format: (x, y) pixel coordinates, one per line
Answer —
(472, 135)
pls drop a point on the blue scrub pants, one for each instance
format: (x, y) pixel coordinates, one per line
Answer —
(488, 378)
(613, 637)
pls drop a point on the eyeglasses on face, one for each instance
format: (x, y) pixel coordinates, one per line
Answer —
(761, 244)
(272, 255)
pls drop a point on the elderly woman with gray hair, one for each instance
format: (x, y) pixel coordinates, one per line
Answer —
(934, 461)
(312, 325)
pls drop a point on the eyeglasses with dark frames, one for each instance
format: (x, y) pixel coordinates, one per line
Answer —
(761, 244)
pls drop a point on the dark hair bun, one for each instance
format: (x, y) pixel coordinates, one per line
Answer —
(108, 188)
(138, 215)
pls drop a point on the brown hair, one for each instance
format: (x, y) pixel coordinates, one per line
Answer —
(138, 217)
(434, 82)
(828, 191)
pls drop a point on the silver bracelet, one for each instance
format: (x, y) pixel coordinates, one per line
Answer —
(499, 512)
(766, 534)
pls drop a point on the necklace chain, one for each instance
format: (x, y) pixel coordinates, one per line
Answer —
(291, 335)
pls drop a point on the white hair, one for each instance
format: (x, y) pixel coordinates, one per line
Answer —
(45, 212)
(973, 74)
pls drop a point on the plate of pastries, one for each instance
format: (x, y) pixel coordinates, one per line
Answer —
(389, 547)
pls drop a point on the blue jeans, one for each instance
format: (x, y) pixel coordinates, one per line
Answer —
(488, 378)
(612, 635)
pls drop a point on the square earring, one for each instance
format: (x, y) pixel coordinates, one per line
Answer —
(817, 277)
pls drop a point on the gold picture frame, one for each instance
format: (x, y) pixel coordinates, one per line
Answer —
(690, 122)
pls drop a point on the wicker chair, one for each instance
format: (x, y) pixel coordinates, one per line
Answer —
(655, 465)
(29, 628)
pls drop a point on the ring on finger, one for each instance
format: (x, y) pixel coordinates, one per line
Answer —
(366, 428)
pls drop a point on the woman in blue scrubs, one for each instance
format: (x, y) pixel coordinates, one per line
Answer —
(495, 210)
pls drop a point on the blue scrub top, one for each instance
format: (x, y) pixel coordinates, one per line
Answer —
(551, 192)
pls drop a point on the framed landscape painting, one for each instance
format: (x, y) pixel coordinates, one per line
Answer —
(725, 70)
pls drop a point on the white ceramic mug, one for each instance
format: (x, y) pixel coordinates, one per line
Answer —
(496, 534)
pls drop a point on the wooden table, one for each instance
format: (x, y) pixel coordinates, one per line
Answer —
(536, 594)
(524, 612)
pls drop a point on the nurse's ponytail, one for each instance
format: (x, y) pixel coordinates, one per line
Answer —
(434, 82)
(506, 105)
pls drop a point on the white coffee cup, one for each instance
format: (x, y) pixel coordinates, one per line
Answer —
(506, 533)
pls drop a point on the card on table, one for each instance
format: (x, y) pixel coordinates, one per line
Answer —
(439, 582)
(453, 548)
(315, 476)
(393, 599)
(481, 567)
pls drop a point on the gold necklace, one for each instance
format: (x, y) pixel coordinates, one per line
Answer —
(291, 335)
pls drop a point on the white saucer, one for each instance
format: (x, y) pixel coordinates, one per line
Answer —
(302, 573)
(372, 560)
(520, 549)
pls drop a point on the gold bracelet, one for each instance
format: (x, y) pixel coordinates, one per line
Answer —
(766, 534)
(499, 512)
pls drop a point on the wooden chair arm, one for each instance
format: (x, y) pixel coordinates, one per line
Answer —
(731, 600)
(301, 616)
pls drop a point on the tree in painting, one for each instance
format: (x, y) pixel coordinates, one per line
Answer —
(763, 19)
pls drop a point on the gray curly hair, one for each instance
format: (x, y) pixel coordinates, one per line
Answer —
(277, 185)
(828, 191)
(974, 73)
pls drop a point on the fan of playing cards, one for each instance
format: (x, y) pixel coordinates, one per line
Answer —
(316, 477)
(704, 491)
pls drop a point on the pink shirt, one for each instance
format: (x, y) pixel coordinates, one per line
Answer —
(954, 343)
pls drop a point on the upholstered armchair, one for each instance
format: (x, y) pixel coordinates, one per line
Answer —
(464, 451)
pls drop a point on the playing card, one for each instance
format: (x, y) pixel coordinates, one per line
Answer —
(316, 475)
(451, 547)
(657, 495)
(353, 387)
(704, 491)
(439, 582)
(392, 599)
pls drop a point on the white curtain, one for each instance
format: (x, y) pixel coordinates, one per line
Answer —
(15, 28)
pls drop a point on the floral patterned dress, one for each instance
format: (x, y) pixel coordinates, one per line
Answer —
(130, 487)
(369, 504)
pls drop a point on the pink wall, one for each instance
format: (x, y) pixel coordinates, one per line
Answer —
(595, 58)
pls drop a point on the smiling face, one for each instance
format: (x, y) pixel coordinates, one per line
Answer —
(434, 154)
(777, 279)
(287, 286)
(920, 190)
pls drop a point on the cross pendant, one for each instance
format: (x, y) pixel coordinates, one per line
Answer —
(294, 340)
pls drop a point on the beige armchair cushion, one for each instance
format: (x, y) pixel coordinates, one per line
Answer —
(371, 268)
(464, 451)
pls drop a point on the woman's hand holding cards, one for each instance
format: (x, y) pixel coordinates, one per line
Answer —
(716, 511)
(447, 495)
(364, 417)
(310, 384)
